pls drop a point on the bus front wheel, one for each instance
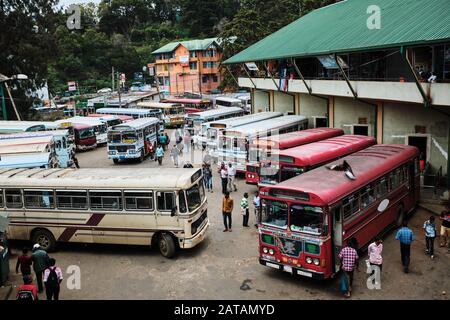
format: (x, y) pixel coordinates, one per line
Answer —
(45, 239)
(116, 161)
(166, 246)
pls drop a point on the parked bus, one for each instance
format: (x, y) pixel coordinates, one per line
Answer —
(133, 140)
(165, 208)
(191, 105)
(226, 102)
(100, 127)
(84, 137)
(63, 147)
(20, 126)
(109, 119)
(246, 102)
(264, 147)
(213, 128)
(131, 112)
(34, 152)
(292, 162)
(173, 114)
(234, 142)
(194, 121)
(308, 219)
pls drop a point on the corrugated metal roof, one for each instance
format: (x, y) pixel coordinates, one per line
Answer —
(191, 45)
(342, 27)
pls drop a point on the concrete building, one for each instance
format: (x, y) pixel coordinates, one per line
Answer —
(385, 73)
(189, 66)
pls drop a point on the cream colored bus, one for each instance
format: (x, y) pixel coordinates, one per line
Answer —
(164, 208)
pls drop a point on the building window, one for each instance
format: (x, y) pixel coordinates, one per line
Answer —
(193, 54)
(193, 65)
(215, 79)
(205, 79)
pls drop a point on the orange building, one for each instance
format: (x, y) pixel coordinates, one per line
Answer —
(189, 66)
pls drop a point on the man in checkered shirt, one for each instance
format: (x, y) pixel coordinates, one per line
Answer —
(349, 258)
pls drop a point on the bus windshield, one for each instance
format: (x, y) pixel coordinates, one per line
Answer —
(270, 173)
(195, 196)
(275, 213)
(304, 218)
(129, 137)
(212, 133)
(86, 133)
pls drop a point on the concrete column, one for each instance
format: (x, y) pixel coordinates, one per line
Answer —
(380, 124)
(297, 103)
(252, 95)
(271, 100)
(331, 112)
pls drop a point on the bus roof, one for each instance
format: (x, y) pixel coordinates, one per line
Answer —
(81, 126)
(18, 126)
(132, 111)
(240, 121)
(158, 105)
(146, 178)
(326, 150)
(298, 138)
(25, 145)
(266, 125)
(135, 124)
(216, 112)
(186, 101)
(228, 99)
(29, 135)
(83, 120)
(105, 117)
(28, 160)
(327, 186)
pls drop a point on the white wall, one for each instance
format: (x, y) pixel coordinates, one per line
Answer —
(283, 102)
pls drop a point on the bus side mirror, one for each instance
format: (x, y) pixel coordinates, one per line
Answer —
(174, 211)
(383, 205)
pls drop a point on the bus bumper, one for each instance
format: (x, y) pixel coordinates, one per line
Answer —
(194, 241)
(292, 270)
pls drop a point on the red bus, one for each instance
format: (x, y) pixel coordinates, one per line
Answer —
(292, 162)
(266, 145)
(84, 137)
(191, 105)
(306, 220)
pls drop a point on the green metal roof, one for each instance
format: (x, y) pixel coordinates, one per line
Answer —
(342, 27)
(191, 45)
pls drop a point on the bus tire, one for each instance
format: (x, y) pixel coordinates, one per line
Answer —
(142, 157)
(116, 161)
(400, 216)
(44, 238)
(166, 246)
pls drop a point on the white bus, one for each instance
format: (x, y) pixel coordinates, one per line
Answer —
(234, 143)
(63, 145)
(132, 112)
(100, 127)
(173, 114)
(164, 208)
(246, 102)
(20, 126)
(133, 140)
(195, 120)
(226, 102)
(210, 130)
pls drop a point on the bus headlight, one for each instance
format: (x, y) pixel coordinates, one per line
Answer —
(271, 252)
(316, 262)
(265, 250)
(309, 260)
(132, 151)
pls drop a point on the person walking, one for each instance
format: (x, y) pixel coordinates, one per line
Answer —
(27, 291)
(187, 141)
(349, 258)
(445, 227)
(375, 251)
(207, 173)
(160, 154)
(406, 237)
(52, 279)
(227, 210)
(174, 153)
(245, 210)
(224, 177)
(257, 206)
(167, 141)
(429, 227)
(231, 177)
(24, 262)
(40, 261)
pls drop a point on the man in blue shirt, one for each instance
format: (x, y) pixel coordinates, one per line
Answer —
(406, 237)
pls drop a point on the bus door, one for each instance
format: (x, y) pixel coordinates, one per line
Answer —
(336, 214)
(166, 210)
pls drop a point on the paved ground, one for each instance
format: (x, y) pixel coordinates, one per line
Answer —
(225, 265)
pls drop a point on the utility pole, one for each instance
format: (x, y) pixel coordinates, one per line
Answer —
(4, 112)
(12, 102)
(113, 76)
(119, 88)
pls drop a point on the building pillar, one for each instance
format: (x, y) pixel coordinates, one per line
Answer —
(271, 100)
(252, 96)
(331, 112)
(297, 103)
(380, 124)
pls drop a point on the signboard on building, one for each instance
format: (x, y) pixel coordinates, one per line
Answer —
(252, 66)
(72, 86)
(328, 62)
(184, 61)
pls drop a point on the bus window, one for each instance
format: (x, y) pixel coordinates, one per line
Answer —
(275, 213)
(13, 198)
(138, 201)
(166, 201)
(382, 188)
(195, 196)
(105, 200)
(71, 200)
(351, 205)
(306, 219)
(39, 199)
(183, 207)
(367, 197)
(1, 198)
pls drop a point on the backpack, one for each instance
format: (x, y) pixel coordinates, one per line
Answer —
(25, 295)
(52, 279)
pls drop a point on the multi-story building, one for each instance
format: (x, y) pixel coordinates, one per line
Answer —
(376, 68)
(189, 66)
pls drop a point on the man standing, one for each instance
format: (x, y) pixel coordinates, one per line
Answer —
(231, 177)
(349, 257)
(227, 210)
(160, 154)
(52, 279)
(257, 204)
(445, 227)
(174, 153)
(406, 237)
(245, 210)
(430, 234)
(224, 177)
(40, 260)
(375, 253)
(24, 262)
